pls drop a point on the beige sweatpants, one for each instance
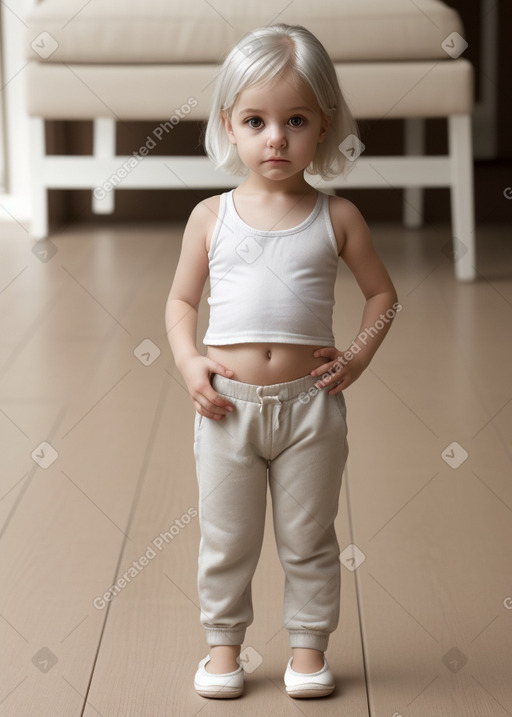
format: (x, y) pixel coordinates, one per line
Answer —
(295, 435)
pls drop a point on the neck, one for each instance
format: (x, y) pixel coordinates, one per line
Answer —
(255, 183)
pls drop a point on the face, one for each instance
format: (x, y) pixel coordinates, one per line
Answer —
(276, 127)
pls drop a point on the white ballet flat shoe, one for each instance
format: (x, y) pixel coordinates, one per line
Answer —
(222, 686)
(309, 684)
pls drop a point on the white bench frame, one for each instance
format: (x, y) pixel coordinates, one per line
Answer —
(414, 172)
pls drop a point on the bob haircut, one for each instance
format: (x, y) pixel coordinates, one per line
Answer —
(260, 56)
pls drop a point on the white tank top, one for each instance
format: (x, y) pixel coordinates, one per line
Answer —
(272, 286)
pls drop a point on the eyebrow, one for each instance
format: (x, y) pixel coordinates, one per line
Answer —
(250, 110)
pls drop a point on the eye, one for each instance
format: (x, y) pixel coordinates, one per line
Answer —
(296, 121)
(254, 122)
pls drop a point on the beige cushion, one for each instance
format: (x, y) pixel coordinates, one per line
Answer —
(162, 92)
(196, 31)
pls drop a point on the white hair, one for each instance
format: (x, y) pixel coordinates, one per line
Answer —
(260, 56)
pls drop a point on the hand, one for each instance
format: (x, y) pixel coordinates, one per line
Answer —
(197, 371)
(342, 372)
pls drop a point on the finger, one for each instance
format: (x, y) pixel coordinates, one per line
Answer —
(332, 373)
(324, 368)
(344, 382)
(219, 368)
(334, 364)
(328, 382)
(202, 411)
(326, 351)
(216, 403)
(208, 414)
(338, 389)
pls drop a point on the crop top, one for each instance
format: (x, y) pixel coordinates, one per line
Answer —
(272, 286)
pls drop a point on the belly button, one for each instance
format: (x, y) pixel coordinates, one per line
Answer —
(269, 354)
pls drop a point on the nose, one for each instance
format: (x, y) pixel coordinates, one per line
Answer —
(276, 137)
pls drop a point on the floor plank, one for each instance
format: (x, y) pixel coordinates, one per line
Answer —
(437, 532)
(85, 367)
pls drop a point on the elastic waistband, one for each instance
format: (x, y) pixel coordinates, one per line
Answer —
(252, 392)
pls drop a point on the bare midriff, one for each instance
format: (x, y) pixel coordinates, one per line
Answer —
(265, 364)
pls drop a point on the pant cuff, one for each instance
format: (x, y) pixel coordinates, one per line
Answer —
(309, 638)
(225, 636)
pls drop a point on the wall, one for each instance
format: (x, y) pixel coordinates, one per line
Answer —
(384, 137)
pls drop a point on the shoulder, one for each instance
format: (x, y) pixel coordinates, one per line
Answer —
(203, 218)
(211, 204)
(347, 221)
(207, 210)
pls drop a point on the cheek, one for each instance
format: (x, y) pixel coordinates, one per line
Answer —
(247, 145)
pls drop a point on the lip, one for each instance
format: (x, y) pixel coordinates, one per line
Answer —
(276, 159)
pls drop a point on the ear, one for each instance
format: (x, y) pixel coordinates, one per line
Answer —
(324, 127)
(228, 127)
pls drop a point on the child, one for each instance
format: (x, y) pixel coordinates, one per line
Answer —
(269, 392)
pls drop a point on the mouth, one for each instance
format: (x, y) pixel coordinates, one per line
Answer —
(276, 159)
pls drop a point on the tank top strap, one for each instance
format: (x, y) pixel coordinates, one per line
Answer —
(223, 209)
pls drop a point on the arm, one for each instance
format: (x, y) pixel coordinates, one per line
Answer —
(381, 304)
(181, 317)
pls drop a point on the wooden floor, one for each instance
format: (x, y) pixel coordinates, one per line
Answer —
(98, 481)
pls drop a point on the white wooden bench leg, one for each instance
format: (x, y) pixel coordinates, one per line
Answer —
(462, 196)
(414, 144)
(104, 147)
(38, 190)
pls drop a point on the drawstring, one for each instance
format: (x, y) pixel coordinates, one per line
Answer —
(267, 400)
